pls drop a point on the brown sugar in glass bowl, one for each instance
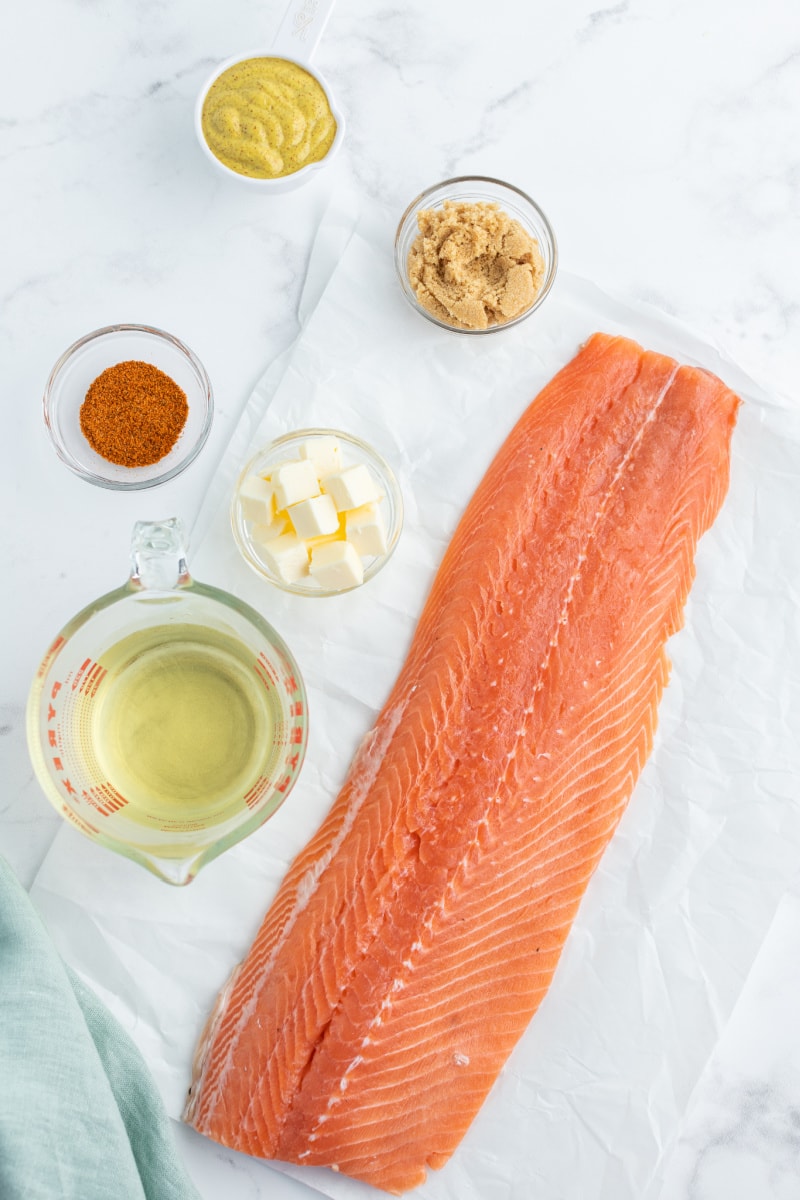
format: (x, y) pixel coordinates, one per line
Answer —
(133, 414)
(475, 255)
(153, 442)
(472, 265)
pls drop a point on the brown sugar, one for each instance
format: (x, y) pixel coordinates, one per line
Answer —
(133, 414)
(473, 266)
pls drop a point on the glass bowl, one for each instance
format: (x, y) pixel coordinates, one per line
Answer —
(80, 365)
(477, 189)
(354, 452)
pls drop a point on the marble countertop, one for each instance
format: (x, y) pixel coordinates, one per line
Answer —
(660, 138)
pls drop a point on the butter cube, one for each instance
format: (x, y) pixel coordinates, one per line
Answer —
(287, 557)
(315, 517)
(351, 487)
(268, 533)
(257, 500)
(294, 481)
(365, 530)
(336, 566)
(324, 452)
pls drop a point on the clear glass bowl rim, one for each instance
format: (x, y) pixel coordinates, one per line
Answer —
(132, 485)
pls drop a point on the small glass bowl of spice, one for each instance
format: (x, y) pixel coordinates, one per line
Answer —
(128, 407)
(475, 255)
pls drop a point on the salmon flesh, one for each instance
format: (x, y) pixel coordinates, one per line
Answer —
(413, 939)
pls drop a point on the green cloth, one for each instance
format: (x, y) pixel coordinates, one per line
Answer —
(80, 1117)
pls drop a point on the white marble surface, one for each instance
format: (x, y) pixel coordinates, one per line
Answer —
(741, 1136)
(661, 139)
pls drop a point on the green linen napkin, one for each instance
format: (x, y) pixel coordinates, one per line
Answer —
(80, 1118)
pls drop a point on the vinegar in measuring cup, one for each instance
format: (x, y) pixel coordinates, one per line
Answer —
(183, 725)
(168, 720)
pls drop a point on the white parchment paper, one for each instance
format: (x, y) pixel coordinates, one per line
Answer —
(674, 916)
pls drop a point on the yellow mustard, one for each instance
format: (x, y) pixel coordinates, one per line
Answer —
(267, 117)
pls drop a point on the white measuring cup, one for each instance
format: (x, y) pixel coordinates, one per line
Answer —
(296, 40)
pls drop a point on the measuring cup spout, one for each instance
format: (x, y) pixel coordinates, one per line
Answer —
(177, 871)
(158, 555)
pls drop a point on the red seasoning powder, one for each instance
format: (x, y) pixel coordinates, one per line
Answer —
(133, 414)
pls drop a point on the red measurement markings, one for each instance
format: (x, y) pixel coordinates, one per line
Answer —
(52, 737)
(258, 789)
(48, 658)
(105, 798)
(259, 670)
(78, 821)
(266, 669)
(296, 736)
(296, 709)
(81, 672)
(55, 689)
(92, 680)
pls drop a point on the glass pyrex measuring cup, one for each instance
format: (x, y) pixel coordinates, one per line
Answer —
(167, 720)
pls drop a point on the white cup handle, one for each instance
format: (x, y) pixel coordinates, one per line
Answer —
(301, 28)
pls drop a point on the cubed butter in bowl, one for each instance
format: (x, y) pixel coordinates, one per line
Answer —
(317, 512)
(337, 566)
(315, 517)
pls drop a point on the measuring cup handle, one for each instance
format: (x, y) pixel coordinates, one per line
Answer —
(301, 28)
(158, 555)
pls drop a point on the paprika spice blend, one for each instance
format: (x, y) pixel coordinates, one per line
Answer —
(133, 414)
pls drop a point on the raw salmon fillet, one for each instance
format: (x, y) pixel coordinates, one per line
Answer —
(416, 935)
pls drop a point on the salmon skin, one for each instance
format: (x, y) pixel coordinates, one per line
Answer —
(413, 939)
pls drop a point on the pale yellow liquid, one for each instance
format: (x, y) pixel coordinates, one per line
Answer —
(183, 725)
